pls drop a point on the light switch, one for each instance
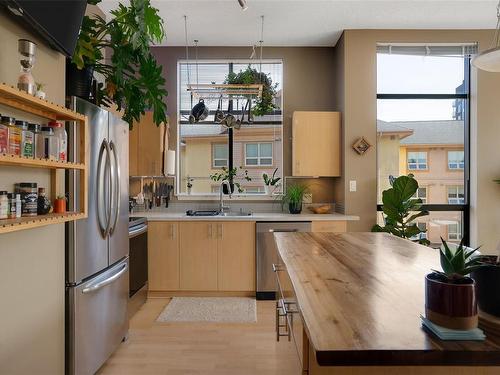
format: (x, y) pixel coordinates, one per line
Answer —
(352, 185)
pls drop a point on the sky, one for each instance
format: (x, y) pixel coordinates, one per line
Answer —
(400, 74)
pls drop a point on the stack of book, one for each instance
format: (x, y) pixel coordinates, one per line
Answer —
(475, 334)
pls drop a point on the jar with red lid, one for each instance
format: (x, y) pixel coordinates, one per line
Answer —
(14, 135)
(62, 137)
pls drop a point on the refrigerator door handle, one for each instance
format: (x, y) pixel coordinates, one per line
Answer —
(102, 208)
(116, 188)
(101, 284)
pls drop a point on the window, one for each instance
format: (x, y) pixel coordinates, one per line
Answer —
(423, 115)
(456, 160)
(456, 195)
(417, 160)
(219, 155)
(422, 194)
(205, 147)
(454, 232)
(257, 154)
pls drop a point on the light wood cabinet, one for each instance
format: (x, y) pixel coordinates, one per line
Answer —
(236, 256)
(198, 256)
(146, 145)
(329, 226)
(316, 147)
(163, 256)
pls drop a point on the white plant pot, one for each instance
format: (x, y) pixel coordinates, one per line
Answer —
(267, 189)
(40, 94)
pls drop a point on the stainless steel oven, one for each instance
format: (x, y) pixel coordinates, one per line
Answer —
(138, 244)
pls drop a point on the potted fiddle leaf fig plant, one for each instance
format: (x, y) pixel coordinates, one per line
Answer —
(487, 280)
(119, 51)
(270, 181)
(401, 210)
(450, 298)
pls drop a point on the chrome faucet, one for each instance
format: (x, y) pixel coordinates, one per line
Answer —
(221, 195)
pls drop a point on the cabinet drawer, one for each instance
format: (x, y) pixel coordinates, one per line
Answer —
(329, 226)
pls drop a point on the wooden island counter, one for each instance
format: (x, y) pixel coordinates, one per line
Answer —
(360, 297)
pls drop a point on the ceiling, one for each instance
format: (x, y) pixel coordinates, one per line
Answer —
(310, 22)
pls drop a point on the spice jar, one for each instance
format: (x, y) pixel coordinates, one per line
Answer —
(26, 139)
(4, 205)
(11, 214)
(29, 198)
(44, 205)
(38, 147)
(14, 135)
(50, 143)
(4, 138)
(18, 206)
(62, 137)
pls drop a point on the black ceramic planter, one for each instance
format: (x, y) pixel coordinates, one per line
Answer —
(225, 190)
(487, 280)
(295, 207)
(78, 82)
(451, 305)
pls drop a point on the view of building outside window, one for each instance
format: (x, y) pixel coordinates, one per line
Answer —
(424, 137)
(204, 148)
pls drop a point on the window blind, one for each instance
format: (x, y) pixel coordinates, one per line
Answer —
(462, 49)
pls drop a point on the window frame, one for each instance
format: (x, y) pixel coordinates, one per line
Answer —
(465, 96)
(258, 157)
(456, 189)
(417, 195)
(417, 163)
(458, 169)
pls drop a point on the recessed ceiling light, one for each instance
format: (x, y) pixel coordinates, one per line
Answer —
(243, 4)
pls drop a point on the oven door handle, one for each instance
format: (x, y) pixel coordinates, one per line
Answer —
(283, 230)
(138, 231)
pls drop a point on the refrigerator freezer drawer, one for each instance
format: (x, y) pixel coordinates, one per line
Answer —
(97, 316)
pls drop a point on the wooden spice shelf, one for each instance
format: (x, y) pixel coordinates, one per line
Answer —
(20, 100)
(13, 225)
(38, 163)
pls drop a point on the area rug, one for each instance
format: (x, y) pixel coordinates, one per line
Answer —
(210, 309)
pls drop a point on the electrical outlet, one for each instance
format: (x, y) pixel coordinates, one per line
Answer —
(308, 198)
(352, 186)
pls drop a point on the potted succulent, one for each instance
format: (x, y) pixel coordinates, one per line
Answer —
(450, 298)
(401, 209)
(264, 104)
(270, 181)
(294, 195)
(231, 175)
(487, 280)
(132, 78)
(60, 204)
(39, 90)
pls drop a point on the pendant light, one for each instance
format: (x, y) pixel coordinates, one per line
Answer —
(489, 60)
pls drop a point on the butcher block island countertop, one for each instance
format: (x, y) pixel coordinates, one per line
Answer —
(360, 296)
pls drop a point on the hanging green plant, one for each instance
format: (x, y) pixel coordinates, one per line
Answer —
(249, 76)
(132, 78)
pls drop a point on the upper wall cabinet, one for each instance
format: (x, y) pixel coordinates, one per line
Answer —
(316, 144)
(146, 143)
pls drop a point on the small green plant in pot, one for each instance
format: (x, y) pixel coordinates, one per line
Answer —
(270, 182)
(401, 209)
(487, 279)
(294, 196)
(231, 175)
(450, 298)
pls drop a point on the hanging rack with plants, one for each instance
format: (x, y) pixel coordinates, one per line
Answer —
(132, 77)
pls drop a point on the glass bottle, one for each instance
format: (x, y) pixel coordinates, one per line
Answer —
(26, 139)
(36, 129)
(4, 205)
(14, 135)
(44, 204)
(50, 143)
(62, 137)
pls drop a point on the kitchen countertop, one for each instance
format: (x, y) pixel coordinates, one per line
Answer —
(256, 216)
(360, 296)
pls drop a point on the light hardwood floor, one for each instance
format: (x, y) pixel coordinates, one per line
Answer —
(202, 348)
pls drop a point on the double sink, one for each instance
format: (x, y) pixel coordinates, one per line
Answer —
(218, 213)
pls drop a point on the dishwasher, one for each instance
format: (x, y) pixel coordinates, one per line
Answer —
(266, 253)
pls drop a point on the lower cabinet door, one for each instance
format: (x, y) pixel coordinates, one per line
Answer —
(198, 256)
(163, 256)
(236, 256)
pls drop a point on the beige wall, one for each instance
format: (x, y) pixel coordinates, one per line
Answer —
(32, 261)
(309, 85)
(359, 73)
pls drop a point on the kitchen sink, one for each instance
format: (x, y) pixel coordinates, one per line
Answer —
(235, 213)
(217, 213)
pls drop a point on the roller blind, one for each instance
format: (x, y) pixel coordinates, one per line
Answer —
(420, 49)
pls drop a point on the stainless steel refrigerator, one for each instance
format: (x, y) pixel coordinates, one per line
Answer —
(97, 248)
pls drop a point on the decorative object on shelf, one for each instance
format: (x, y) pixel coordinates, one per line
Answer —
(39, 90)
(450, 298)
(323, 209)
(60, 205)
(133, 79)
(361, 145)
(270, 182)
(487, 280)
(401, 210)
(489, 60)
(27, 51)
(43, 206)
(294, 196)
(230, 176)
